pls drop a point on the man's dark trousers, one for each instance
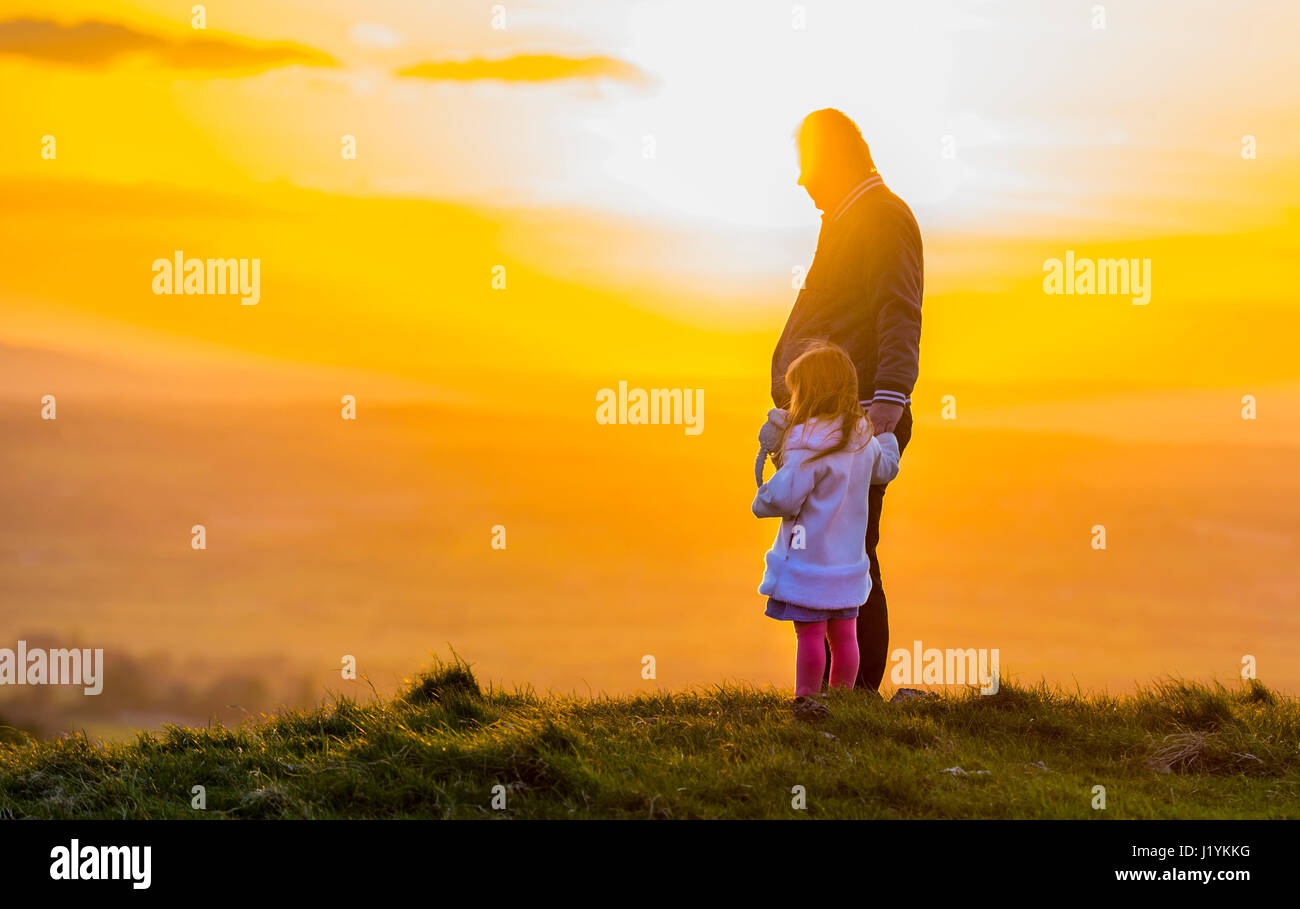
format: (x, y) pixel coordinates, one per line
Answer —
(873, 617)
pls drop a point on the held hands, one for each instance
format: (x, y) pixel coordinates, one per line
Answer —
(884, 417)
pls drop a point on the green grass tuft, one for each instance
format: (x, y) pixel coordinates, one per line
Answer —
(442, 680)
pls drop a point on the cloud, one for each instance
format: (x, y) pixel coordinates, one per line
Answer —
(374, 34)
(527, 68)
(100, 44)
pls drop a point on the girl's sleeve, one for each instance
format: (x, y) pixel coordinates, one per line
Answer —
(783, 495)
(885, 467)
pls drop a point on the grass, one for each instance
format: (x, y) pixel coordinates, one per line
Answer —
(438, 749)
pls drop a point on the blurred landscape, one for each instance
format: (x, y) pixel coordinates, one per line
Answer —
(371, 537)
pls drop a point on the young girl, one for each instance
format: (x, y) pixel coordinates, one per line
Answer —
(817, 570)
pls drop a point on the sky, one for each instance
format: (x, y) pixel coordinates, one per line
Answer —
(1047, 116)
(661, 133)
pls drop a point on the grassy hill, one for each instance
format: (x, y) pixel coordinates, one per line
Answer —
(438, 749)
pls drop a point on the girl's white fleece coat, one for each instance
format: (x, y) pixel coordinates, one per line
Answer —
(828, 499)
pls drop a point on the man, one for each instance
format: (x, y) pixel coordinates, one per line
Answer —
(862, 292)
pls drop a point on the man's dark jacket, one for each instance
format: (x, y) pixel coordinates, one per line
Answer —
(862, 292)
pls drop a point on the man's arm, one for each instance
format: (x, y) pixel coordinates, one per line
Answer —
(897, 303)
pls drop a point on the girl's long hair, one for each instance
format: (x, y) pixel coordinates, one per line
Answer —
(823, 383)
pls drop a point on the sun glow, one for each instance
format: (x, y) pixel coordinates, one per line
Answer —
(714, 139)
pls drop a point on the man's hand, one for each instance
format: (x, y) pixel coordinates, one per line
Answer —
(884, 417)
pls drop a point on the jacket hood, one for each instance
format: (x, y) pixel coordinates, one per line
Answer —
(821, 433)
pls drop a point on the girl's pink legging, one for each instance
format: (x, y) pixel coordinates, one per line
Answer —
(810, 658)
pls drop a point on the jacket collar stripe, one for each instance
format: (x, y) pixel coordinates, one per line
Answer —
(871, 182)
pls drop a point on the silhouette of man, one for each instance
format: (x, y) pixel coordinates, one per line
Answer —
(862, 292)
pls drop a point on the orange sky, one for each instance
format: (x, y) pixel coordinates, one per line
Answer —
(1061, 135)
